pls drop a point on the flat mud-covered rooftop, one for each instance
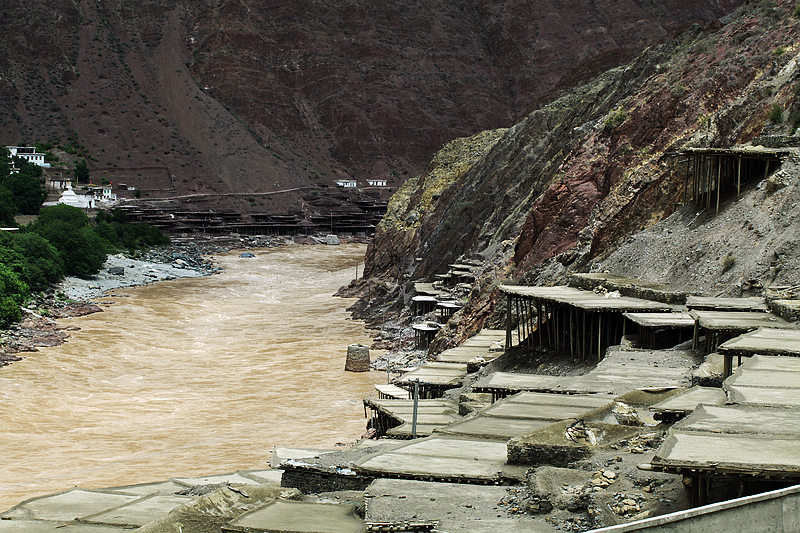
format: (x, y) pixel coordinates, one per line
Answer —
(621, 371)
(766, 380)
(734, 439)
(523, 413)
(442, 458)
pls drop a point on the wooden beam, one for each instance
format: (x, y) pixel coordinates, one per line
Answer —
(738, 176)
(719, 180)
(599, 332)
(509, 340)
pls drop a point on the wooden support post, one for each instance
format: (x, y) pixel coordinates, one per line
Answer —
(414, 410)
(599, 332)
(727, 366)
(738, 176)
(539, 325)
(686, 183)
(709, 165)
(571, 333)
(548, 312)
(719, 180)
(533, 324)
(556, 329)
(509, 340)
(696, 336)
(703, 482)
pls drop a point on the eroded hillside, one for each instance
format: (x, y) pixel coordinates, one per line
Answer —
(242, 96)
(567, 186)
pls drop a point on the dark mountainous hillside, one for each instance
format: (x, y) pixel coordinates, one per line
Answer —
(249, 96)
(567, 185)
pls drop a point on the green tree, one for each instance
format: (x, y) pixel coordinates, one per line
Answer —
(7, 208)
(44, 264)
(67, 229)
(27, 190)
(15, 261)
(113, 227)
(13, 293)
(72, 216)
(81, 171)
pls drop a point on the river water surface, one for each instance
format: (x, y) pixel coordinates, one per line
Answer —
(188, 377)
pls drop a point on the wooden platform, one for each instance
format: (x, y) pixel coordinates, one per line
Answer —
(654, 328)
(763, 341)
(707, 303)
(570, 321)
(739, 439)
(442, 459)
(450, 366)
(427, 289)
(621, 371)
(524, 412)
(766, 380)
(759, 438)
(720, 326)
(391, 392)
(393, 418)
(680, 405)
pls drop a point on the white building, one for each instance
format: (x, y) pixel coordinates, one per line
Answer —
(376, 183)
(347, 184)
(70, 197)
(28, 153)
(104, 194)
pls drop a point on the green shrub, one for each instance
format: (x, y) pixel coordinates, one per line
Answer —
(775, 114)
(13, 293)
(615, 119)
(728, 262)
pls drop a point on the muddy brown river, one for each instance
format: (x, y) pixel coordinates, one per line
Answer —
(188, 377)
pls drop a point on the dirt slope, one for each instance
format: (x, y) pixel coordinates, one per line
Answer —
(239, 95)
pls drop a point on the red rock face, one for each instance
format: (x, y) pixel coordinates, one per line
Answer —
(616, 181)
(233, 95)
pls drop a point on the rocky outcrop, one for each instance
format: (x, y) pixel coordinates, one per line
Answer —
(394, 250)
(568, 184)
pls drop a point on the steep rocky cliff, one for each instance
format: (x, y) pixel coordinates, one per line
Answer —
(567, 185)
(239, 95)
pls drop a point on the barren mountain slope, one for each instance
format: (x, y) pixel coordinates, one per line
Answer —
(239, 95)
